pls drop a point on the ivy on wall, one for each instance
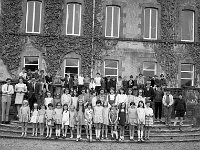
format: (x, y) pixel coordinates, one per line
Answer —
(11, 45)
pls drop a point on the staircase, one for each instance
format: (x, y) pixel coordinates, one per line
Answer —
(159, 133)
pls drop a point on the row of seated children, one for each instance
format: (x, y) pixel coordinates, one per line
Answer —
(65, 117)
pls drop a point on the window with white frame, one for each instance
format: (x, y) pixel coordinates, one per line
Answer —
(111, 68)
(33, 17)
(112, 21)
(150, 23)
(187, 26)
(71, 66)
(149, 69)
(187, 75)
(73, 20)
(31, 62)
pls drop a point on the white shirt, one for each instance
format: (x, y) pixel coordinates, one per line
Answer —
(98, 81)
(48, 100)
(7, 89)
(92, 85)
(148, 111)
(121, 98)
(23, 74)
(80, 80)
(66, 99)
(137, 99)
(170, 99)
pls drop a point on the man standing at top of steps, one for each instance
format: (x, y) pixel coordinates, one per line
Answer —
(7, 91)
(167, 102)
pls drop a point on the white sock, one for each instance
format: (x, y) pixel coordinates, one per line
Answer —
(142, 134)
(56, 132)
(96, 133)
(138, 134)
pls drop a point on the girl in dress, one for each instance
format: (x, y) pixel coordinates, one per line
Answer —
(106, 109)
(80, 110)
(98, 118)
(132, 119)
(111, 98)
(140, 97)
(94, 98)
(58, 118)
(122, 119)
(148, 119)
(48, 99)
(72, 119)
(66, 98)
(113, 117)
(34, 119)
(141, 120)
(20, 90)
(130, 97)
(41, 118)
(24, 116)
(74, 98)
(88, 121)
(49, 119)
(65, 120)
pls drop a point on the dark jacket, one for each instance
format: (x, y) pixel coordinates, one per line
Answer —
(180, 105)
(158, 95)
(149, 93)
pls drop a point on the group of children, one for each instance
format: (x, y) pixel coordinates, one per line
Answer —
(102, 111)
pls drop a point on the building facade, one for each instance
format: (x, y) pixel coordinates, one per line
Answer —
(113, 37)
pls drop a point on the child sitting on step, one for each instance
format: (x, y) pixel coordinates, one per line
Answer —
(24, 116)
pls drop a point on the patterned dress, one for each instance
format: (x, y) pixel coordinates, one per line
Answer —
(98, 114)
(58, 116)
(24, 113)
(148, 116)
(41, 118)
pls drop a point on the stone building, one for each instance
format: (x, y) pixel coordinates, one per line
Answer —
(113, 37)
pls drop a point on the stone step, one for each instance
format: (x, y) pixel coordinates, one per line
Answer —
(157, 129)
(7, 135)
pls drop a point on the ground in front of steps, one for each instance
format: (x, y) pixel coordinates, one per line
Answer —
(24, 144)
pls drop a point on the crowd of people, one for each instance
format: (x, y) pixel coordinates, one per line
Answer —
(105, 102)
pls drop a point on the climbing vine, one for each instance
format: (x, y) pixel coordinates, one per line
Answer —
(11, 44)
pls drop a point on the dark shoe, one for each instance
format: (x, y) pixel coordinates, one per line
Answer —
(7, 122)
(3, 122)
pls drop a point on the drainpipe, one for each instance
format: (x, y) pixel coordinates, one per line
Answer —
(93, 50)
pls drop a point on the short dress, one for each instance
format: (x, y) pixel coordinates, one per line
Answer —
(80, 117)
(41, 118)
(141, 116)
(113, 117)
(65, 118)
(98, 114)
(122, 117)
(20, 96)
(34, 117)
(49, 117)
(72, 119)
(74, 101)
(24, 113)
(105, 115)
(89, 114)
(132, 116)
(58, 116)
(148, 116)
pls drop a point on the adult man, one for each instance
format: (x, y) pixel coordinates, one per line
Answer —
(7, 91)
(167, 102)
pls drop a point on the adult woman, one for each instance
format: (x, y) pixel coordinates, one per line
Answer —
(20, 90)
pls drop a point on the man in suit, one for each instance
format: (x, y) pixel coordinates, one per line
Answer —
(7, 91)
(34, 92)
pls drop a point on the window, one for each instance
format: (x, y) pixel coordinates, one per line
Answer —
(33, 16)
(71, 66)
(73, 21)
(111, 68)
(187, 26)
(149, 69)
(187, 75)
(31, 63)
(150, 23)
(112, 21)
